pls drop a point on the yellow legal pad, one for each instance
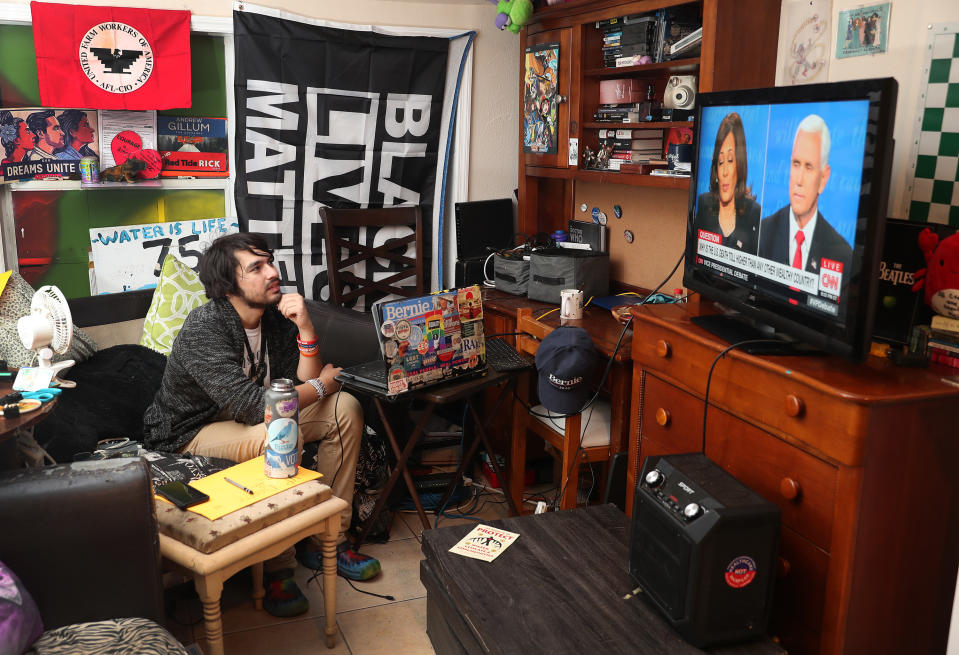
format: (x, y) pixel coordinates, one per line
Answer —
(225, 498)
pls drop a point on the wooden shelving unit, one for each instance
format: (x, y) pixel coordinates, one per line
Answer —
(675, 67)
(738, 50)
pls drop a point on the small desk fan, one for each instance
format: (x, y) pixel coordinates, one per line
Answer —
(48, 329)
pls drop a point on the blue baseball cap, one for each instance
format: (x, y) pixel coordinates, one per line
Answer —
(565, 361)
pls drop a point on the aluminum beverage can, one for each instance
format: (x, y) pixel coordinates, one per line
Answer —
(281, 418)
(89, 170)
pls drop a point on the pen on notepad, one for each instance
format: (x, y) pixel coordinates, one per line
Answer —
(238, 485)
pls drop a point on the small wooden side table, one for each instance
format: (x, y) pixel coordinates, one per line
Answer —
(212, 551)
(11, 427)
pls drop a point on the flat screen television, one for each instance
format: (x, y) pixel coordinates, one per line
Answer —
(777, 167)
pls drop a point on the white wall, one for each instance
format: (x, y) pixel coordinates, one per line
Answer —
(908, 30)
(493, 131)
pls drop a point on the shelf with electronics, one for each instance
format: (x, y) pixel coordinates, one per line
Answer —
(737, 50)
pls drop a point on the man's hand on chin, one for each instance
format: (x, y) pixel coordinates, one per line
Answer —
(293, 306)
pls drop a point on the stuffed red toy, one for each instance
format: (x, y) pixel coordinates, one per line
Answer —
(940, 278)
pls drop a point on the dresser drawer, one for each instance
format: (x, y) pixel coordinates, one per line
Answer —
(803, 486)
(671, 417)
(800, 594)
(761, 392)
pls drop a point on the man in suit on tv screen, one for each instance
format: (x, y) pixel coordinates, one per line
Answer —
(798, 234)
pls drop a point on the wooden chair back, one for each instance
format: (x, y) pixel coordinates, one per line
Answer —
(344, 252)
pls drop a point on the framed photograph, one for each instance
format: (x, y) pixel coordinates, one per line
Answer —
(862, 31)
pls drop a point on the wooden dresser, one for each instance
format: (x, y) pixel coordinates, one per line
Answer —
(860, 459)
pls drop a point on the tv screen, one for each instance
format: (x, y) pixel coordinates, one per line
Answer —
(787, 205)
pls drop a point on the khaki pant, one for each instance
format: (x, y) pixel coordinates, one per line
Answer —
(336, 458)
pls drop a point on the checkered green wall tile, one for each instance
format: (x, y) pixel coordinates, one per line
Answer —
(948, 145)
(942, 191)
(932, 119)
(939, 70)
(935, 183)
(926, 166)
(952, 95)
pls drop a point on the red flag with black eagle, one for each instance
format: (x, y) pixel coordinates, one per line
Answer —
(112, 57)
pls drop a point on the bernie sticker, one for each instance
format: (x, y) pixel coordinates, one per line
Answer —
(740, 572)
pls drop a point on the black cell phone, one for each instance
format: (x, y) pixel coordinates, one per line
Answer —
(181, 494)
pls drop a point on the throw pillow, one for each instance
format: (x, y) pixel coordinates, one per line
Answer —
(178, 292)
(133, 636)
(14, 303)
(20, 622)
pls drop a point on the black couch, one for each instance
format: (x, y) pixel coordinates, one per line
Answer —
(83, 540)
(117, 384)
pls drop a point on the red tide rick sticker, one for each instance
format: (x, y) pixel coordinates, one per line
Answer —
(740, 572)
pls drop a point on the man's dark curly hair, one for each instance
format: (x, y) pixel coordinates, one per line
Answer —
(218, 264)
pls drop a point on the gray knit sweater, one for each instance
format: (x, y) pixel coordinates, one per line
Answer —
(204, 379)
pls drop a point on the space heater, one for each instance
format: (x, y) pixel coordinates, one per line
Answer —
(703, 548)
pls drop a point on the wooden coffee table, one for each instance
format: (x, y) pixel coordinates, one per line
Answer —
(557, 589)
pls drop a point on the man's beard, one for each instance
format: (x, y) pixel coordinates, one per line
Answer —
(260, 303)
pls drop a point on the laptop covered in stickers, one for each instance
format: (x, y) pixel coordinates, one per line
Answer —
(424, 341)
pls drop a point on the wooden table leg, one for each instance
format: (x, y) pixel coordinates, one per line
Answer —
(400, 468)
(329, 577)
(517, 445)
(259, 592)
(210, 588)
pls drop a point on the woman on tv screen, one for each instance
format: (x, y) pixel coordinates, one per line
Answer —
(729, 208)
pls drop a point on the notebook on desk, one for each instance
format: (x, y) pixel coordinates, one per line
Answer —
(424, 341)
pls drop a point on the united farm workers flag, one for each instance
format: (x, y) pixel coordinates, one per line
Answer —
(112, 57)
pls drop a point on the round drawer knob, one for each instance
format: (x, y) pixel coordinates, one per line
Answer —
(789, 488)
(663, 417)
(783, 567)
(794, 405)
(663, 349)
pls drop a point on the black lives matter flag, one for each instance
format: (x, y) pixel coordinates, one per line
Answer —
(333, 117)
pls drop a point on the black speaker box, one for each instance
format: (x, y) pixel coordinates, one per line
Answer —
(703, 547)
(470, 271)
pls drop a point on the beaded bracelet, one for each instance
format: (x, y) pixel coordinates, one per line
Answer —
(308, 348)
(319, 386)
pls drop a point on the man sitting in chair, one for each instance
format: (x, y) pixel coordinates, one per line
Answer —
(210, 401)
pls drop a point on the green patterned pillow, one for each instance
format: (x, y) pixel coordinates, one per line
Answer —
(178, 292)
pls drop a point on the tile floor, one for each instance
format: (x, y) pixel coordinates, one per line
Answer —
(367, 625)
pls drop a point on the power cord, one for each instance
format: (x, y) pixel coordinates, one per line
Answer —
(709, 376)
(336, 419)
(316, 577)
